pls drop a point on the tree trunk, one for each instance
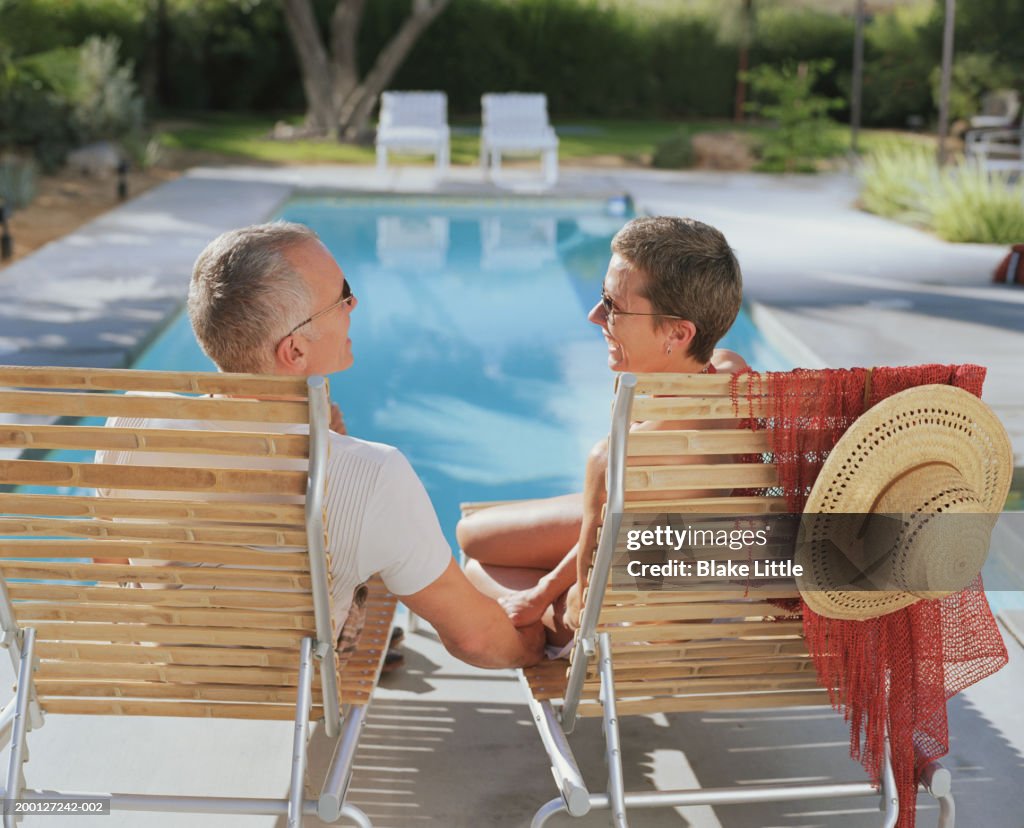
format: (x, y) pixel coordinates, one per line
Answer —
(344, 55)
(321, 105)
(355, 113)
(337, 103)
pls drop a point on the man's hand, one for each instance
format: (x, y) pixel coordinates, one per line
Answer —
(337, 420)
(524, 607)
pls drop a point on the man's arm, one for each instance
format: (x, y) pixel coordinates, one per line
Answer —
(472, 626)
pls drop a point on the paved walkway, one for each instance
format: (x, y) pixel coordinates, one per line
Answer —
(451, 746)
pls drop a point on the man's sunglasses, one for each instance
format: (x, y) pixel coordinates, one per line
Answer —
(347, 297)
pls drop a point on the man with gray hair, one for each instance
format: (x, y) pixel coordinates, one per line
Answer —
(271, 299)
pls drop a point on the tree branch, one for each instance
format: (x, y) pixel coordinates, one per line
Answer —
(356, 112)
(348, 14)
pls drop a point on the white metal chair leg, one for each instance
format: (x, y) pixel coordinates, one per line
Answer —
(890, 797)
(616, 786)
(546, 811)
(20, 724)
(356, 815)
(331, 804)
(947, 811)
(301, 735)
(382, 159)
(551, 167)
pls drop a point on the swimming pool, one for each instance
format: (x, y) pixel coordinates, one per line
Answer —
(473, 352)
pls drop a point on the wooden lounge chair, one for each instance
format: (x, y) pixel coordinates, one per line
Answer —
(516, 122)
(414, 122)
(235, 622)
(725, 646)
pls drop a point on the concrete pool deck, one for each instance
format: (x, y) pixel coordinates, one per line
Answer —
(448, 745)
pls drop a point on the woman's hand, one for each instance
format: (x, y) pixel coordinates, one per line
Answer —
(573, 606)
(337, 420)
(524, 607)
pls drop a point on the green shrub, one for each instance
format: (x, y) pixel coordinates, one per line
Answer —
(898, 183)
(969, 205)
(960, 203)
(105, 102)
(33, 117)
(801, 133)
(675, 152)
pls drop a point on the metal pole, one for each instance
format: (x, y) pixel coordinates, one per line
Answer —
(319, 419)
(301, 734)
(947, 76)
(21, 725)
(6, 242)
(856, 91)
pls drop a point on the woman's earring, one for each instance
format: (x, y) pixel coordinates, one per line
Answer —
(668, 349)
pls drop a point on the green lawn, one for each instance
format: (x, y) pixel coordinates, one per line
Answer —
(246, 137)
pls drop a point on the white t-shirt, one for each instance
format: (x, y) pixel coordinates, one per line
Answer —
(379, 517)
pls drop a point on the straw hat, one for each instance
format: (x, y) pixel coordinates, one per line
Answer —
(903, 507)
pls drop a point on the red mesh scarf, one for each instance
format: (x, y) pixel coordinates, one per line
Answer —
(929, 651)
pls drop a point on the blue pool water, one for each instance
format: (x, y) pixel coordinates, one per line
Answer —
(473, 352)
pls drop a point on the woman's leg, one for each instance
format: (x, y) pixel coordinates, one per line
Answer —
(535, 534)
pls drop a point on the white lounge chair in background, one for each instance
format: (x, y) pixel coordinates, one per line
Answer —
(515, 122)
(414, 122)
(996, 150)
(1000, 108)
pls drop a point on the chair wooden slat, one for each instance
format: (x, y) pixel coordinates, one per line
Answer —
(655, 652)
(626, 687)
(694, 630)
(287, 515)
(154, 690)
(756, 590)
(262, 599)
(93, 671)
(204, 536)
(716, 667)
(714, 476)
(235, 577)
(94, 438)
(122, 633)
(227, 710)
(697, 441)
(74, 404)
(83, 652)
(32, 611)
(694, 611)
(645, 502)
(182, 382)
(290, 561)
(712, 703)
(658, 409)
(152, 478)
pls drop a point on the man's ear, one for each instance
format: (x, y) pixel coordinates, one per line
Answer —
(290, 355)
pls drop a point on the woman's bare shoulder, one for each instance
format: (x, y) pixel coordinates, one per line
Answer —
(728, 362)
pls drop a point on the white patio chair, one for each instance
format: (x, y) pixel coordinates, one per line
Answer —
(515, 122)
(1000, 108)
(414, 122)
(996, 150)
